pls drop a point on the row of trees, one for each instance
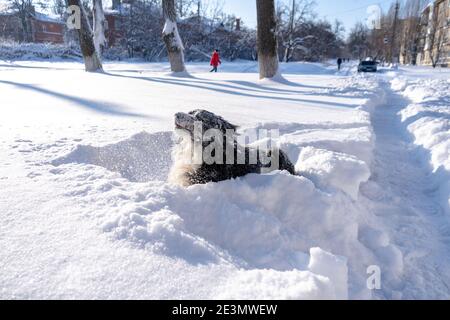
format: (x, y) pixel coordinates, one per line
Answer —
(406, 30)
(203, 26)
(285, 30)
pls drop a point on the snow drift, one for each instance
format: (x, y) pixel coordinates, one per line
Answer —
(287, 235)
(143, 157)
(88, 197)
(427, 118)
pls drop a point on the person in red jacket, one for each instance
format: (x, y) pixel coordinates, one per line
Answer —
(215, 60)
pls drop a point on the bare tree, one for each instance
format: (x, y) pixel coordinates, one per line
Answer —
(99, 26)
(86, 38)
(290, 21)
(25, 10)
(172, 38)
(267, 39)
(212, 9)
(59, 7)
(358, 41)
(185, 7)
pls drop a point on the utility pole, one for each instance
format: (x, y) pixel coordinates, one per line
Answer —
(394, 31)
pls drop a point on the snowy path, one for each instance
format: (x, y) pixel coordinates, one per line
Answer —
(406, 201)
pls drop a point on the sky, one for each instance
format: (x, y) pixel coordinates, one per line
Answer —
(348, 11)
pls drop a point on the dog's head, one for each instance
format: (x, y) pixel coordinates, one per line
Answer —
(207, 120)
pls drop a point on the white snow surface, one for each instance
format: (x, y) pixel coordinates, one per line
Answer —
(427, 118)
(87, 211)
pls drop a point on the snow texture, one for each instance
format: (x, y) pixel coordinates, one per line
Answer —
(171, 27)
(428, 120)
(87, 211)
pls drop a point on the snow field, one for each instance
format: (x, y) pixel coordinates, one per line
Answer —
(105, 166)
(264, 225)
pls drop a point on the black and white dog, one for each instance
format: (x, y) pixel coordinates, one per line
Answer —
(208, 151)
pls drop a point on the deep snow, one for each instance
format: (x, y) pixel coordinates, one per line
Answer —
(87, 213)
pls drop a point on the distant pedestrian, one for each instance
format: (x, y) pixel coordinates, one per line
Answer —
(215, 60)
(339, 62)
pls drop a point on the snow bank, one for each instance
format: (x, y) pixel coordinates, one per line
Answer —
(271, 284)
(336, 170)
(428, 120)
(11, 50)
(263, 225)
(261, 236)
(274, 229)
(285, 237)
(254, 219)
(325, 280)
(143, 157)
(334, 267)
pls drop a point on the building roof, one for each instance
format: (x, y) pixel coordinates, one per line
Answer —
(47, 18)
(6, 10)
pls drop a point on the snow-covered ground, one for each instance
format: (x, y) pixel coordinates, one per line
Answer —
(87, 211)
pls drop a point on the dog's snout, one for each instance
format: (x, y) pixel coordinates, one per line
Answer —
(184, 121)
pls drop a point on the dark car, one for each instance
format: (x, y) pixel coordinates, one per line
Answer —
(367, 66)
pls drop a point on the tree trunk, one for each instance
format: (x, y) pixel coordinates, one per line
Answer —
(91, 58)
(99, 27)
(267, 39)
(171, 37)
(27, 32)
(286, 54)
(24, 29)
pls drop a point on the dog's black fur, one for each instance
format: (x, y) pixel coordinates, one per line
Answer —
(200, 174)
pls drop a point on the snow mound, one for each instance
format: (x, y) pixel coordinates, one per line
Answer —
(250, 218)
(428, 121)
(262, 226)
(399, 84)
(272, 285)
(357, 142)
(428, 118)
(326, 279)
(333, 267)
(253, 223)
(143, 157)
(330, 169)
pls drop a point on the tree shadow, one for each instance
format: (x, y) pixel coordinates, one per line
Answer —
(93, 105)
(220, 88)
(19, 66)
(428, 114)
(288, 83)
